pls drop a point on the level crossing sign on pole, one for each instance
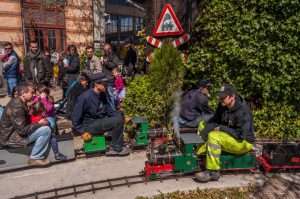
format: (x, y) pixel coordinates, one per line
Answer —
(168, 23)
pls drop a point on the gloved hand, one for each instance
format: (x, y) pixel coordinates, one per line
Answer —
(86, 136)
(208, 128)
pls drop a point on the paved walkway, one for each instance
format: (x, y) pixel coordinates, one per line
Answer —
(101, 168)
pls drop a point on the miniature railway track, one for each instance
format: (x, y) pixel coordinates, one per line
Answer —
(74, 190)
(272, 188)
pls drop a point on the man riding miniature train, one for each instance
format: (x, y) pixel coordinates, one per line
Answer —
(194, 106)
(93, 115)
(230, 130)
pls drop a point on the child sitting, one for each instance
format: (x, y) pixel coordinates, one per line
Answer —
(43, 108)
(119, 86)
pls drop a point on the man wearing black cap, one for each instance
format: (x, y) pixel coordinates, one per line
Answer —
(93, 115)
(194, 106)
(232, 132)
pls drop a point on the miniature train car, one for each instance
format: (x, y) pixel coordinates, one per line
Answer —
(179, 157)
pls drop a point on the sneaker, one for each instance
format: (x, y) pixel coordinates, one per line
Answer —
(207, 176)
(60, 157)
(124, 152)
(42, 162)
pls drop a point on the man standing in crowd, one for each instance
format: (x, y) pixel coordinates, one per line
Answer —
(130, 59)
(70, 68)
(109, 62)
(35, 68)
(92, 64)
(194, 106)
(72, 65)
(10, 67)
(48, 66)
(231, 131)
(108, 58)
(93, 115)
(16, 131)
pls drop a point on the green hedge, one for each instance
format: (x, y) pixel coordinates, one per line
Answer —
(275, 121)
(254, 45)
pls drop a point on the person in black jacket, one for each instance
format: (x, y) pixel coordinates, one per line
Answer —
(48, 66)
(110, 61)
(93, 115)
(35, 68)
(74, 92)
(230, 130)
(194, 106)
(130, 59)
(71, 67)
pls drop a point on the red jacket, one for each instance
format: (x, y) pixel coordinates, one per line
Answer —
(119, 83)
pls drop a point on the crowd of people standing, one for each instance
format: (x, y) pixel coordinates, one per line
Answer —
(63, 69)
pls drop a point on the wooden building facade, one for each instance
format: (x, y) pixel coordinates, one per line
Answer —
(53, 26)
(11, 24)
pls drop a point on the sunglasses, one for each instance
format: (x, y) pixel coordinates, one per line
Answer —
(7, 48)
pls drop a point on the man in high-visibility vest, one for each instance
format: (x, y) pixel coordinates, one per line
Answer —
(231, 130)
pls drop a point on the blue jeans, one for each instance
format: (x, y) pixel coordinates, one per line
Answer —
(53, 141)
(1, 111)
(41, 138)
(111, 97)
(11, 84)
(52, 122)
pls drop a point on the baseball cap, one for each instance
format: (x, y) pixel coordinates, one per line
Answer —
(99, 78)
(226, 90)
(204, 83)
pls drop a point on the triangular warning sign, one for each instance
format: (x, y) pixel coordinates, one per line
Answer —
(168, 23)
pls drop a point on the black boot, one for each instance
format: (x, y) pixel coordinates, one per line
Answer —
(60, 157)
(207, 176)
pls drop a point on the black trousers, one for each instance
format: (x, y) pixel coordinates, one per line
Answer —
(115, 124)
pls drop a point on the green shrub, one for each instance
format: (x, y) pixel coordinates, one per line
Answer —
(142, 100)
(152, 96)
(232, 193)
(275, 121)
(166, 77)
